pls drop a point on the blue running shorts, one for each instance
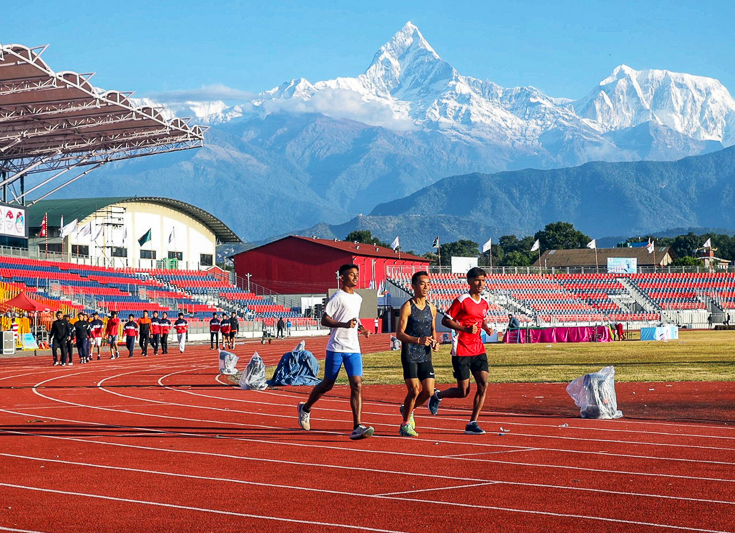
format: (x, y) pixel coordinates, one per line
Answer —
(333, 363)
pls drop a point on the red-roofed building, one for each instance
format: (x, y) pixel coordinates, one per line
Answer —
(304, 265)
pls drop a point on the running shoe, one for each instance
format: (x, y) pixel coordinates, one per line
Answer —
(407, 431)
(434, 402)
(473, 429)
(56, 363)
(411, 420)
(304, 417)
(70, 364)
(362, 432)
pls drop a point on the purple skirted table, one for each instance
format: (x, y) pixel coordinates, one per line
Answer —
(558, 334)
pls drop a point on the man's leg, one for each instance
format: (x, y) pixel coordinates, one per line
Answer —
(479, 401)
(413, 390)
(462, 390)
(427, 390)
(54, 350)
(164, 343)
(356, 399)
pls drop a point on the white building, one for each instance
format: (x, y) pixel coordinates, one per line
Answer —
(134, 232)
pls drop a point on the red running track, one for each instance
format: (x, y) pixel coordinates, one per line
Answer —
(165, 444)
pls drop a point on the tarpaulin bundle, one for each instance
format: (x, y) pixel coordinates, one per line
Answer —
(227, 363)
(594, 394)
(253, 378)
(298, 367)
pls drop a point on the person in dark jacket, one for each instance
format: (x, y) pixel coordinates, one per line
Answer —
(234, 327)
(279, 327)
(58, 336)
(144, 324)
(81, 335)
(69, 340)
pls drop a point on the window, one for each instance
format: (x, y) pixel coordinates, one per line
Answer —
(206, 259)
(118, 252)
(54, 247)
(176, 255)
(78, 249)
(147, 254)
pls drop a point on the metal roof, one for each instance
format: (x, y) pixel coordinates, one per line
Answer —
(585, 257)
(370, 250)
(81, 208)
(51, 121)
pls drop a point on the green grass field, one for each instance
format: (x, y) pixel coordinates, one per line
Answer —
(696, 356)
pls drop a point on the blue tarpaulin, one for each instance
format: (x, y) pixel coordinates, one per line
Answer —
(298, 367)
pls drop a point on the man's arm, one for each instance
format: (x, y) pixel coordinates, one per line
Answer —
(329, 322)
(448, 322)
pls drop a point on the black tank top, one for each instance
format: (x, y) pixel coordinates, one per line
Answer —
(419, 324)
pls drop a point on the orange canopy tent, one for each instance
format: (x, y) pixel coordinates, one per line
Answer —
(26, 304)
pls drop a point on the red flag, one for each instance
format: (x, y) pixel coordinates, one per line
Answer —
(44, 226)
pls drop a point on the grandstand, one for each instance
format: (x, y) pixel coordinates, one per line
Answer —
(578, 299)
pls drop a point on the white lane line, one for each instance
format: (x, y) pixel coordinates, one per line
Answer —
(484, 460)
(20, 530)
(365, 528)
(491, 453)
(471, 485)
(485, 421)
(530, 435)
(199, 509)
(329, 466)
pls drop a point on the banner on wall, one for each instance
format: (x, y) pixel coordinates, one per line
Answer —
(13, 221)
(622, 265)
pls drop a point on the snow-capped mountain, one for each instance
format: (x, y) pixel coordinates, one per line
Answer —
(408, 86)
(304, 153)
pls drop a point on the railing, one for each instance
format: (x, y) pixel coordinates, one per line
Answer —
(394, 271)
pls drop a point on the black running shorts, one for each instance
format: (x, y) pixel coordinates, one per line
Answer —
(469, 364)
(420, 371)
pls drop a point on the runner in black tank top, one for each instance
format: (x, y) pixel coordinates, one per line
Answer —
(417, 333)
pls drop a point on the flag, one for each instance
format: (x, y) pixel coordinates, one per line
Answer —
(85, 230)
(592, 245)
(395, 244)
(125, 234)
(650, 247)
(44, 226)
(707, 243)
(98, 233)
(145, 238)
(536, 246)
(435, 243)
(70, 228)
(488, 245)
(171, 235)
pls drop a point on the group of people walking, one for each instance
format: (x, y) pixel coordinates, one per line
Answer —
(224, 325)
(417, 332)
(89, 332)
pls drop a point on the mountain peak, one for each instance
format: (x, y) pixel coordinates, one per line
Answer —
(407, 54)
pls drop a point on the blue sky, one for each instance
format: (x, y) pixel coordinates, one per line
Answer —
(563, 47)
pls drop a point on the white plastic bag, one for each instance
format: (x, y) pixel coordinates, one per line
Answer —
(395, 344)
(594, 394)
(227, 363)
(253, 378)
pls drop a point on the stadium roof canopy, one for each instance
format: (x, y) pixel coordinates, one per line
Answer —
(81, 208)
(57, 121)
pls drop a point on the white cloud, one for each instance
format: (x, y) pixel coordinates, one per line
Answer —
(341, 103)
(206, 93)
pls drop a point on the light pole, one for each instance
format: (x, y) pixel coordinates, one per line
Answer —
(248, 276)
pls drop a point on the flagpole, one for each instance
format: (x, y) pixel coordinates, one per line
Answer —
(597, 265)
(654, 256)
(439, 251)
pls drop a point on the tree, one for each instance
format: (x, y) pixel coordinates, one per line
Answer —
(517, 258)
(462, 248)
(366, 237)
(687, 260)
(561, 236)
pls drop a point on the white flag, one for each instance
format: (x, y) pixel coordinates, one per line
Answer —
(650, 247)
(487, 246)
(707, 243)
(171, 235)
(592, 244)
(536, 246)
(85, 231)
(98, 233)
(395, 244)
(70, 228)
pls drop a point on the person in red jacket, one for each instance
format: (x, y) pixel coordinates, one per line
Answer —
(130, 332)
(181, 326)
(112, 330)
(214, 332)
(165, 325)
(155, 332)
(224, 328)
(95, 334)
